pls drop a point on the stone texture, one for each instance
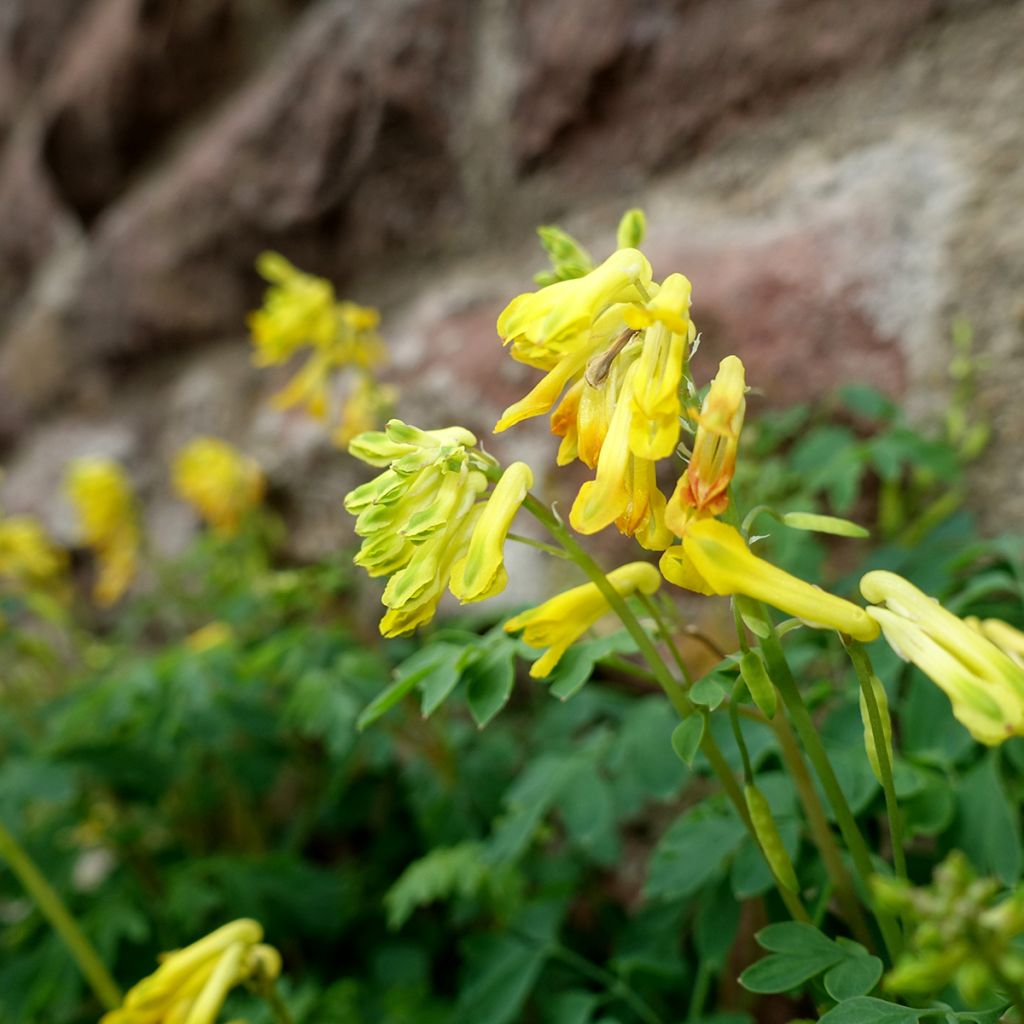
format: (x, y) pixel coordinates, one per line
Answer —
(633, 85)
(838, 181)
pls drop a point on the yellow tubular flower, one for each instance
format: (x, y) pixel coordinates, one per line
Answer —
(703, 488)
(543, 326)
(720, 556)
(1005, 637)
(984, 684)
(613, 344)
(27, 556)
(99, 490)
(481, 574)
(417, 516)
(219, 481)
(191, 984)
(558, 623)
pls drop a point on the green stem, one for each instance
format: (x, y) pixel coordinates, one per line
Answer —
(668, 682)
(800, 717)
(539, 545)
(613, 984)
(648, 602)
(53, 908)
(277, 1006)
(821, 831)
(865, 674)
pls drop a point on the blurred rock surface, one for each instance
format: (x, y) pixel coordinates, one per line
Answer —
(838, 181)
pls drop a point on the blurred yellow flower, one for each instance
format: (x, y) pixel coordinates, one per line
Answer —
(559, 622)
(614, 345)
(102, 497)
(219, 481)
(481, 573)
(28, 558)
(716, 557)
(364, 408)
(1007, 638)
(703, 489)
(206, 638)
(983, 682)
(301, 311)
(191, 984)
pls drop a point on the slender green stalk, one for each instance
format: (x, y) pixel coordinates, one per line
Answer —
(801, 719)
(648, 602)
(865, 674)
(821, 831)
(668, 682)
(53, 908)
(277, 1006)
(737, 732)
(614, 985)
(539, 545)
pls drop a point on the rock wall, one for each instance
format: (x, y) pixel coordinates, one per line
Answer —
(838, 180)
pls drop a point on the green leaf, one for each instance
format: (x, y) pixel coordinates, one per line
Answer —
(410, 673)
(989, 829)
(686, 738)
(588, 810)
(694, 850)
(489, 682)
(783, 972)
(385, 701)
(715, 930)
(436, 686)
(503, 972)
(708, 692)
(442, 873)
(824, 524)
(868, 1010)
(795, 939)
(855, 976)
(575, 1007)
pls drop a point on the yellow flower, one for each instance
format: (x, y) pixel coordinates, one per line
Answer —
(481, 574)
(191, 984)
(984, 684)
(363, 409)
(721, 560)
(301, 311)
(558, 623)
(206, 638)
(703, 489)
(416, 517)
(614, 345)
(27, 556)
(219, 481)
(100, 492)
(1006, 637)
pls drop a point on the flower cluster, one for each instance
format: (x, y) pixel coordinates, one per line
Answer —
(191, 984)
(107, 512)
(613, 344)
(221, 482)
(301, 311)
(422, 524)
(28, 558)
(963, 933)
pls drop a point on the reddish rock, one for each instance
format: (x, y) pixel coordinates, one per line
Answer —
(34, 221)
(336, 154)
(610, 87)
